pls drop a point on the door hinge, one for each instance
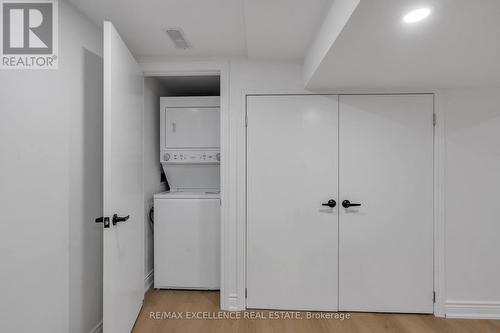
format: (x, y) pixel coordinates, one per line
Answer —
(246, 120)
(434, 297)
(246, 292)
(434, 119)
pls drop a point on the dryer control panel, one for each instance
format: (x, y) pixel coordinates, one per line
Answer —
(177, 156)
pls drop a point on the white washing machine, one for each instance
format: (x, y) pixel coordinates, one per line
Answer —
(187, 240)
(187, 219)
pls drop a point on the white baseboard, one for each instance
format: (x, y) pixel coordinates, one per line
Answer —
(148, 280)
(472, 310)
(97, 329)
(232, 303)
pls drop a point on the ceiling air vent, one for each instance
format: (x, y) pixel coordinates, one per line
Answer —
(177, 37)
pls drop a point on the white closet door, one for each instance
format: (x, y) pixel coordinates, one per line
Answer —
(386, 165)
(292, 239)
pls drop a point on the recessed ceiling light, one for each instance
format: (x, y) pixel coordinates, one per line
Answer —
(416, 15)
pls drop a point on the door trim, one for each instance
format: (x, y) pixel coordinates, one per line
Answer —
(439, 212)
(438, 209)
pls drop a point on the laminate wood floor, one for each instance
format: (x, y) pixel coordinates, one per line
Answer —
(160, 305)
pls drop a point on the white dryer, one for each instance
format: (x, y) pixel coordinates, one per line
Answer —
(186, 240)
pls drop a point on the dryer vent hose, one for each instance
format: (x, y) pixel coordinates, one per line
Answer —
(151, 215)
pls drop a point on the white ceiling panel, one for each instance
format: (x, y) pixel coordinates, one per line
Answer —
(458, 45)
(263, 29)
(282, 29)
(212, 27)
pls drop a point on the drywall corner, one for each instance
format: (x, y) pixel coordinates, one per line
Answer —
(338, 15)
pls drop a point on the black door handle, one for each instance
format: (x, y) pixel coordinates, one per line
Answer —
(331, 203)
(117, 219)
(347, 204)
(104, 220)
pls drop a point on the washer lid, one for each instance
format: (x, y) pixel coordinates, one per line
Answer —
(180, 194)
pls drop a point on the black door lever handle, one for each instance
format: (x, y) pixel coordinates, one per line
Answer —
(117, 219)
(331, 203)
(347, 204)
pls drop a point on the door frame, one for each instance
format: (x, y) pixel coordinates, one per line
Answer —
(201, 68)
(438, 193)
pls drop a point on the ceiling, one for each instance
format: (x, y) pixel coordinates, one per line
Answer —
(457, 45)
(277, 29)
(258, 29)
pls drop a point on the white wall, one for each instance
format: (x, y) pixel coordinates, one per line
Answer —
(472, 158)
(85, 191)
(472, 187)
(153, 90)
(472, 200)
(51, 176)
(44, 124)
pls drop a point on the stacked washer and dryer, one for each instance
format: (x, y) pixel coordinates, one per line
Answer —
(187, 218)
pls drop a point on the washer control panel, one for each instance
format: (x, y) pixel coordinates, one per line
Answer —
(172, 156)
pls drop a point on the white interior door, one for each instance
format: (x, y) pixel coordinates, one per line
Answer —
(124, 242)
(386, 165)
(291, 170)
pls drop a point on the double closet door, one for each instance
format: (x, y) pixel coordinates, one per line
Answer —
(340, 202)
